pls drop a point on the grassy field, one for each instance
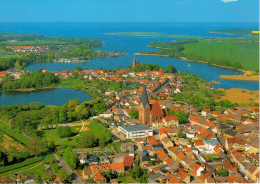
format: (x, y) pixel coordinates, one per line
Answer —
(96, 129)
(219, 51)
(126, 179)
(52, 135)
(13, 133)
(35, 168)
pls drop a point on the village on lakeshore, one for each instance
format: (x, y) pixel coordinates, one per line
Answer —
(157, 139)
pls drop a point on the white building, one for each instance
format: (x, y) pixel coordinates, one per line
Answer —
(136, 131)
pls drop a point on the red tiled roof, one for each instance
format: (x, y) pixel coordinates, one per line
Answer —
(216, 112)
(99, 177)
(180, 155)
(128, 162)
(206, 110)
(167, 160)
(153, 141)
(105, 167)
(199, 143)
(161, 154)
(169, 118)
(232, 178)
(196, 119)
(3, 73)
(164, 130)
(156, 110)
(158, 121)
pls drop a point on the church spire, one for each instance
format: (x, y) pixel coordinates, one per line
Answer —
(134, 61)
(144, 97)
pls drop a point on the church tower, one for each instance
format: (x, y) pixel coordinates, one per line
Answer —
(134, 62)
(144, 109)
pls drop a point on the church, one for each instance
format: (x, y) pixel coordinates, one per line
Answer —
(149, 113)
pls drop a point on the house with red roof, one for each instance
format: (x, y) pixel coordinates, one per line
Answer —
(170, 121)
(128, 161)
(99, 178)
(3, 74)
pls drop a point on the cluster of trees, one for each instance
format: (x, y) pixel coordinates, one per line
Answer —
(26, 118)
(70, 157)
(64, 131)
(223, 172)
(139, 174)
(146, 66)
(183, 118)
(19, 36)
(134, 114)
(6, 63)
(35, 79)
(197, 92)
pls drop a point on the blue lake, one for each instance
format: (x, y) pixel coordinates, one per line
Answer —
(57, 96)
(131, 45)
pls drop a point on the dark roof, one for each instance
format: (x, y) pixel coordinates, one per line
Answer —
(144, 97)
(230, 132)
(145, 158)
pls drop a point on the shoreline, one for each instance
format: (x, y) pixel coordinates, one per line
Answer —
(32, 89)
(143, 54)
(247, 76)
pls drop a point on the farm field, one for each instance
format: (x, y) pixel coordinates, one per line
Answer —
(13, 133)
(224, 52)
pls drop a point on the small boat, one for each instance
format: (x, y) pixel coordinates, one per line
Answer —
(188, 64)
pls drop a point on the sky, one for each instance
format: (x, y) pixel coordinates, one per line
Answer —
(129, 11)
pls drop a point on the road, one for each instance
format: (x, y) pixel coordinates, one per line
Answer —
(63, 164)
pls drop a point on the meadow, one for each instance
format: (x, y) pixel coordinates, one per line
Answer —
(225, 52)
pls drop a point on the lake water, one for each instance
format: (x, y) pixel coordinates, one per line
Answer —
(57, 96)
(134, 44)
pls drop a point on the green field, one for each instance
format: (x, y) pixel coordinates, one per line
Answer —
(126, 179)
(52, 135)
(238, 53)
(96, 129)
(13, 133)
(30, 169)
(224, 52)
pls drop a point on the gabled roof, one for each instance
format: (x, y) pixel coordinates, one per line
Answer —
(156, 109)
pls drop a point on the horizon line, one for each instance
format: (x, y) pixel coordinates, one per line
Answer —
(127, 22)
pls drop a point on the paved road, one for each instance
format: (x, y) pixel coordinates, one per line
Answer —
(63, 164)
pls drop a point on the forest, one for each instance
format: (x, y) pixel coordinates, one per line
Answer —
(35, 79)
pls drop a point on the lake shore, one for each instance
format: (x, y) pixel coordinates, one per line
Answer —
(33, 89)
(143, 54)
(238, 95)
(247, 76)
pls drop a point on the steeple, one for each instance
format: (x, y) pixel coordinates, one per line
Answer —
(144, 97)
(134, 61)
